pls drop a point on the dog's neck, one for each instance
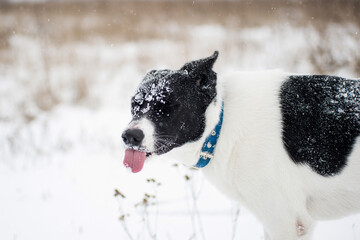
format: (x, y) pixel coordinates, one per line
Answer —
(189, 153)
(209, 145)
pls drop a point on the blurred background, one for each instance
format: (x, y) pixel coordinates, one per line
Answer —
(67, 72)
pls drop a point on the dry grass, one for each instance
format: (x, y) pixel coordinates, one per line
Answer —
(62, 23)
(55, 26)
(136, 20)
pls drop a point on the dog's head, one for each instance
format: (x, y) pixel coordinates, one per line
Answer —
(168, 110)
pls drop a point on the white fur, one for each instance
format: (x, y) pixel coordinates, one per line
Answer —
(252, 166)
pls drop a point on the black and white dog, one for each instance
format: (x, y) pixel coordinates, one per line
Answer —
(284, 146)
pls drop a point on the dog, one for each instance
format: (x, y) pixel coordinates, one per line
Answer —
(285, 146)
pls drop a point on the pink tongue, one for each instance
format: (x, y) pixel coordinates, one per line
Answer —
(134, 160)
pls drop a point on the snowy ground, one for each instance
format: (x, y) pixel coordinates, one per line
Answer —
(64, 102)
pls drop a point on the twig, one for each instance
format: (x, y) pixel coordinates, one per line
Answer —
(119, 196)
(235, 221)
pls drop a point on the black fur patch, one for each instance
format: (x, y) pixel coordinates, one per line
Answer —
(175, 101)
(321, 120)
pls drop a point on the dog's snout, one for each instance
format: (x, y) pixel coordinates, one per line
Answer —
(133, 137)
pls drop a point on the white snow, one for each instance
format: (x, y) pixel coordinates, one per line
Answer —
(59, 170)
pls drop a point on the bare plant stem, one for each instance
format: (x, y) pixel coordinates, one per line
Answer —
(196, 211)
(235, 221)
(146, 218)
(195, 215)
(126, 230)
(123, 218)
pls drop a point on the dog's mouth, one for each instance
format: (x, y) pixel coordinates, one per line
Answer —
(135, 159)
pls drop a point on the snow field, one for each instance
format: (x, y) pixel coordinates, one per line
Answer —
(63, 108)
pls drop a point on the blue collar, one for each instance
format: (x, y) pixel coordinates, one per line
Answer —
(207, 151)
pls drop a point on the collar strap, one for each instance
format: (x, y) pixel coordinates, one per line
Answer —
(207, 151)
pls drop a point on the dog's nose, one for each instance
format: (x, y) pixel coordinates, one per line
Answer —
(133, 137)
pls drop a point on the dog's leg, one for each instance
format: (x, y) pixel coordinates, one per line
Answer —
(296, 227)
(285, 218)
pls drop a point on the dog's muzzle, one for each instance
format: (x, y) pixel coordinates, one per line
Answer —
(138, 143)
(133, 137)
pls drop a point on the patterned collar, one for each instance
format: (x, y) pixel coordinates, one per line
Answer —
(207, 151)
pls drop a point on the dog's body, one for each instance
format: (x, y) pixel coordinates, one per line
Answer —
(288, 146)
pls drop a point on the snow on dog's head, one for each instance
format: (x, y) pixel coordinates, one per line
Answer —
(168, 110)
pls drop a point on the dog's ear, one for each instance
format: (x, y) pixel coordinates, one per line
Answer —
(201, 70)
(205, 64)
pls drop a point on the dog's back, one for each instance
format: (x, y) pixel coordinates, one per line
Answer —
(321, 125)
(293, 147)
(321, 121)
